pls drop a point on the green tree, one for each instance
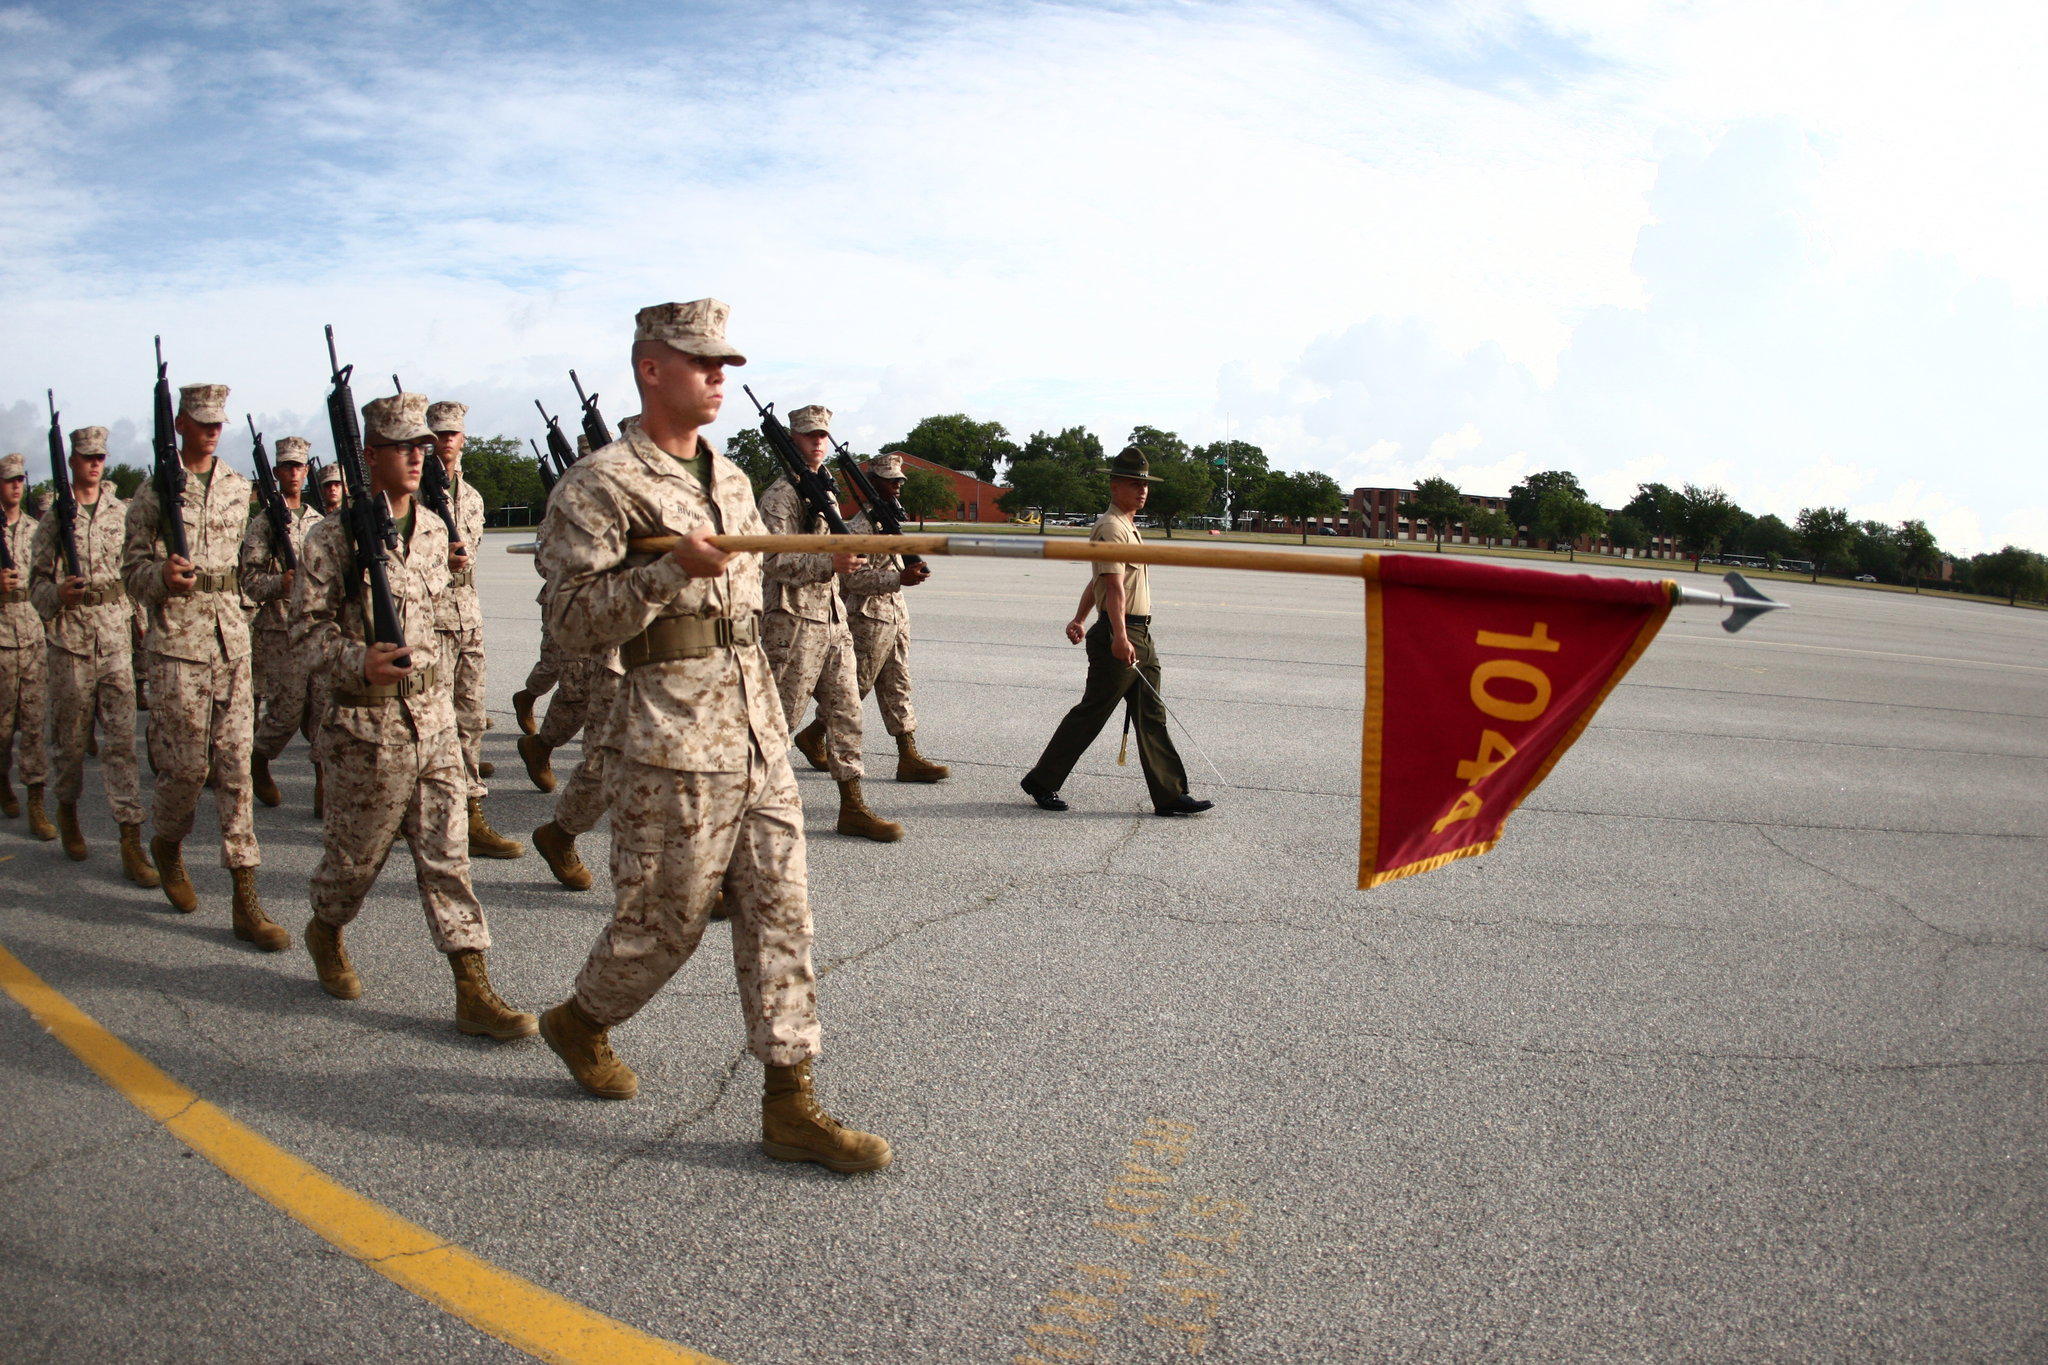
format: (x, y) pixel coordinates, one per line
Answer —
(502, 472)
(957, 441)
(1298, 497)
(1248, 470)
(925, 492)
(1525, 499)
(1182, 491)
(1919, 555)
(1076, 446)
(1772, 538)
(1565, 515)
(748, 449)
(2012, 571)
(1159, 446)
(126, 478)
(1702, 519)
(1655, 505)
(1825, 534)
(1490, 524)
(1626, 532)
(1437, 504)
(1874, 547)
(1041, 486)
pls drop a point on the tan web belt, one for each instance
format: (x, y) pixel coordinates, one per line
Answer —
(462, 579)
(377, 695)
(686, 637)
(208, 580)
(13, 595)
(101, 591)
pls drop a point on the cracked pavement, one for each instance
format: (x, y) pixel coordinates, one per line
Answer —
(1736, 1047)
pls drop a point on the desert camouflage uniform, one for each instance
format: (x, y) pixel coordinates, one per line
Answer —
(703, 797)
(806, 635)
(22, 665)
(202, 711)
(459, 617)
(880, 621)
(92, 676)
(588, 792)
(282, 678)
(393, 765)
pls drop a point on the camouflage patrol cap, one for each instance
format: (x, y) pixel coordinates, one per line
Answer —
(694, 328)
(13, 467)
(397, 419)
(89, 441)
(203, 402)
(447, 416)
(329, 473)
(887, 465)
(812, 418)
(292, 450)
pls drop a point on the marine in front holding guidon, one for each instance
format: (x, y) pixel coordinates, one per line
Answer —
(704, 802)
(389, 744)
(92, 677)
(202, 705)
(282, 678)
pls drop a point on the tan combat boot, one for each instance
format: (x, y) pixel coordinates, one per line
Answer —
(810, 742)
(169, 857)
(855, 818)
(557, 847)
(10, 804)
(587, 1052)
(319, 793)
(538, 759)
(485, 842)
(69, 832)
(912, 766)
(522, 711)
(478, 1010)
(266, 786)
(251, 924)
(38, 822)
(794, 1128)
(330, 961)
(134, 862)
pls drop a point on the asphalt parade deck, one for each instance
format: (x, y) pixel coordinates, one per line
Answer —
(1734, 1049)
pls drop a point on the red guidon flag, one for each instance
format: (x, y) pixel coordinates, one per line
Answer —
(1478, 678)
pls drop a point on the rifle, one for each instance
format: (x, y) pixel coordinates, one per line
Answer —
(268, 493)
(885, 513)
(371, 534)
(66, 505)
(435, 492)
(558, 444)
(594, 429)
(547, 469)
(167, 473)
(814, 486)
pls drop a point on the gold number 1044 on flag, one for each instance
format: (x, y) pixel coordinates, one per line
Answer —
(1494, 749)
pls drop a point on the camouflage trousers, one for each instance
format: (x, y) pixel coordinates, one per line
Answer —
(202, 723)
(547, 669)
(569, 709)
(87, 692)
(678, 839)
(586, 794)
(815, 659)
(466, 648)
(377, 792)
(21, 711)
(882, 665)
(285, 687)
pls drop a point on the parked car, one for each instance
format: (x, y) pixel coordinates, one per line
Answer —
(1866, 578)
(1326, 530)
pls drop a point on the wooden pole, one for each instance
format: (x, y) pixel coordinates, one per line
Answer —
(1039, 547)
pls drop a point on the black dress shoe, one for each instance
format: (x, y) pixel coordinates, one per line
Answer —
(1046, 800)
(1186, 805)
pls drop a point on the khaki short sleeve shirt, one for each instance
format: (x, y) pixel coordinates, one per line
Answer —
(1114, 528)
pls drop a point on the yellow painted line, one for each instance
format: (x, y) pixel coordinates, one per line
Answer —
(542, 1324)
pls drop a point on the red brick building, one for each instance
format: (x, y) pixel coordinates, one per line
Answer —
(974, 500)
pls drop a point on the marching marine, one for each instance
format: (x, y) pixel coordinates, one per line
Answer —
(703, 801)
(327, 489)
(280, 675)
(389, 744)
(460, 619)
(92, 678)
(806, 635)
(21, 654)
(202, 708)
(551, 668)
(880, 621)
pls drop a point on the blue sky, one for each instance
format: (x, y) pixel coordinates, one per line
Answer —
(1789, 249)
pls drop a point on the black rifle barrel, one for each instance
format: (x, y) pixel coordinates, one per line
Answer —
(814, 486)
(558, 444)
(166, 472)
(372, 536)
(272, 498)
(594, 429)
(884, 512)
(66, 505)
